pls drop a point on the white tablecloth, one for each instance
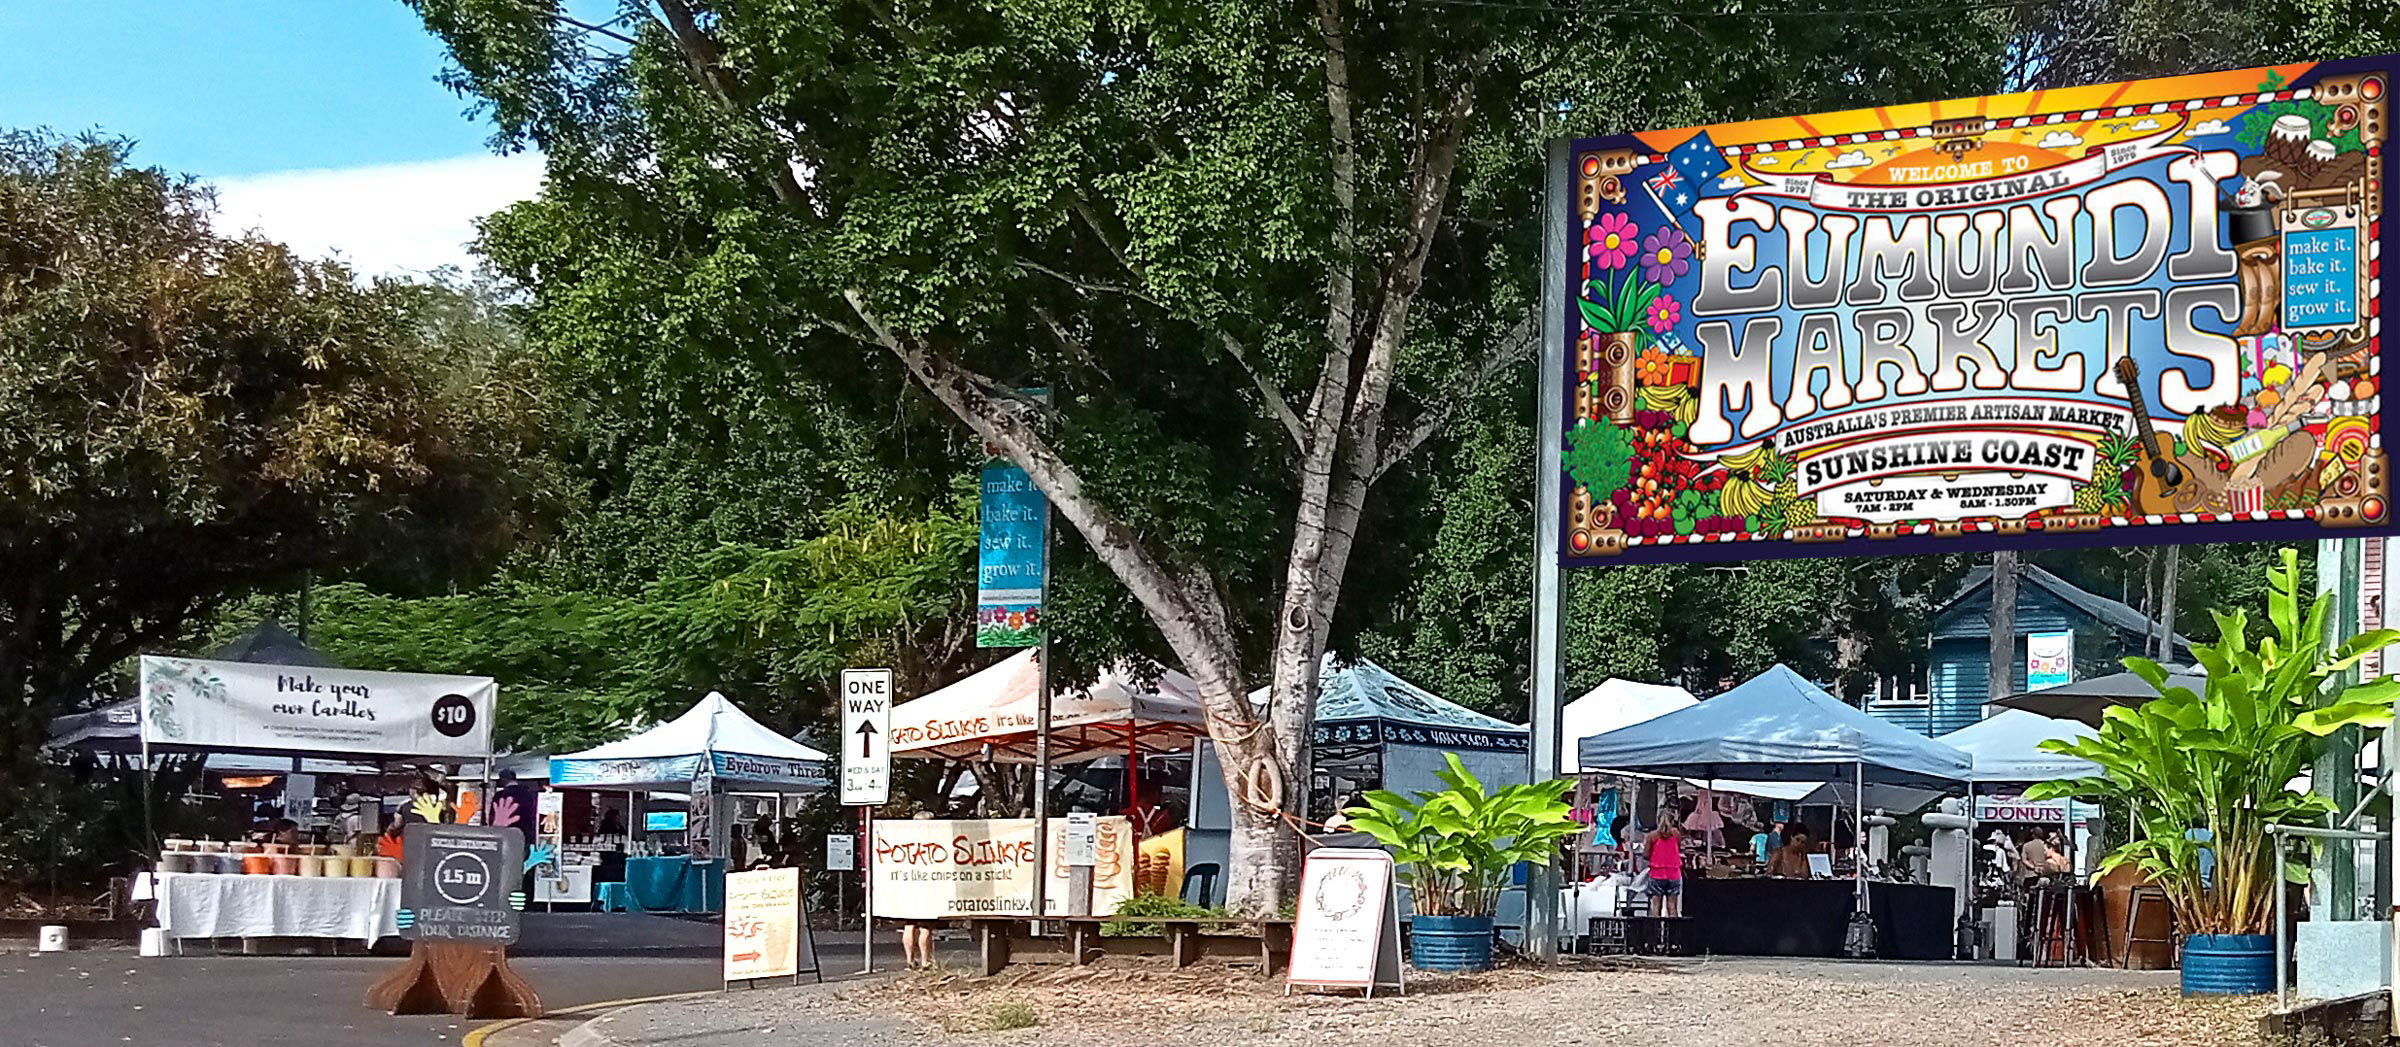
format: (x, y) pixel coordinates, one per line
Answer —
(202, 905)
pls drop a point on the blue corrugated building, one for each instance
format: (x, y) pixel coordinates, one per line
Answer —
(1958, 653)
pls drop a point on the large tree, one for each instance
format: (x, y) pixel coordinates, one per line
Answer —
(1258, 253)
(185, 416)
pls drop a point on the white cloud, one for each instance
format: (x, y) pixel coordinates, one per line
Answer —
(1731, 182)
(1853, 158)
(388, 219)
(1766, 161)
(2059, 140)
(2206, 127)
(2146, 125)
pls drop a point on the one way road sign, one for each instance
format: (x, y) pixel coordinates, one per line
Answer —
(866, 730)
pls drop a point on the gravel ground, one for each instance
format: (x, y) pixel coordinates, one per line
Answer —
(1781, 1002)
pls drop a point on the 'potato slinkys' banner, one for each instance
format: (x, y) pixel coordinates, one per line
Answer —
(2120, 314)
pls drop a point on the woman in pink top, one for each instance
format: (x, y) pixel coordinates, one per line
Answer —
(1666, 866)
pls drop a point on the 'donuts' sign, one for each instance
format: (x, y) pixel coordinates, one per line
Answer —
(2129, 313)
(245, 705)
(930, 869)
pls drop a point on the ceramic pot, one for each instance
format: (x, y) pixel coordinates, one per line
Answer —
(362, 866)
(175, 862)
(257, 865)
(311, 865)
(285, 864)
(337, 867)
(387, 868)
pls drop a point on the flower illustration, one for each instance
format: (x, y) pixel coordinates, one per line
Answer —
(1664, 312)
(1611, 242)
(1666, 255)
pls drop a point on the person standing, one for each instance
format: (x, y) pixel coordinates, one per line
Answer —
(1665, 848)
(916, 936)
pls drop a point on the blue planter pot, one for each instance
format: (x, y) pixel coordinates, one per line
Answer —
(1450, 943)
(2228, 964)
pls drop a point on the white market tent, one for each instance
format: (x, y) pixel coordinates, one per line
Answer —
(1614, 704)
(992, 715)
(714, 736)
(2006, 747)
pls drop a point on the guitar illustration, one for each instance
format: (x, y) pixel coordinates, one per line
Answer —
(2170, 483)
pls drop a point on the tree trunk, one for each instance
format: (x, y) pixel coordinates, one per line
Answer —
(2166, 604)
(2003, 618)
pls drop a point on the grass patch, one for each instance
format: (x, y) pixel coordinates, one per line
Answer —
(1127, 922)
(1011, 1014)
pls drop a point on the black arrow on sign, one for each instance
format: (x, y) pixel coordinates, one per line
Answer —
(866, 737)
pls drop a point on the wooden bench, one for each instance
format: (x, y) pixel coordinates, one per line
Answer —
(1000, 941)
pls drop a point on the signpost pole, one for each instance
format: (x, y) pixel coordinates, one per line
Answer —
(866, 864)
(1041, 748)
(1541, 881)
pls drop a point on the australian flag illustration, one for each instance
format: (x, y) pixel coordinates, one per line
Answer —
(1690, 167)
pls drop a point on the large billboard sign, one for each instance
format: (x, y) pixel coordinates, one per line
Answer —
(2130, 313)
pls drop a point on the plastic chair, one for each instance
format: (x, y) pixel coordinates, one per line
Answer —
(1200, 884)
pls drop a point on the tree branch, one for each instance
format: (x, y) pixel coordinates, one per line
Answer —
(1459, 390)
(1185, 604)
(708, 67)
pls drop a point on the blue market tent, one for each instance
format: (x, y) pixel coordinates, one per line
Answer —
(1777, 727)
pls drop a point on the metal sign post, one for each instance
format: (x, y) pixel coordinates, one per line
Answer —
(1541, 881)
(867, 769)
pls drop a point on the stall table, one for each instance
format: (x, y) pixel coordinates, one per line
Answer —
(216, 905)
(1766, 917)
(673, 884)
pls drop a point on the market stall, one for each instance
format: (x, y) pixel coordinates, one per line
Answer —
(327, 883)
(2008, 755)
(1374, 730)
(712, 749)
(1780, 728)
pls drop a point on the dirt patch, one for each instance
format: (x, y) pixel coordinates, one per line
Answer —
(1788, 1003)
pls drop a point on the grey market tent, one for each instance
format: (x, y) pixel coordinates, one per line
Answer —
(1364, 712)
(1777, 727)
(2085, 701)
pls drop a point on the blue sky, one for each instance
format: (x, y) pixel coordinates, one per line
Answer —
(319, 120)
(235, 87)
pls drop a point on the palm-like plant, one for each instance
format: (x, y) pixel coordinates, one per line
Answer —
(1459, 845)
(2224, 760)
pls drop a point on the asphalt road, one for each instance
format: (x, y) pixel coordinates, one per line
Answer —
(107, 997)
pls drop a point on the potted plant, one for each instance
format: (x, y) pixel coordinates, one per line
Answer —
(1458, 849)
(2211, 771)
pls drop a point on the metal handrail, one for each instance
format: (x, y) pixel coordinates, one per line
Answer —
(2283, 942)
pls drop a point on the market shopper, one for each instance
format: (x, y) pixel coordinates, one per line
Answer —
(916, 936)
(1665, 848)
(1791, 859)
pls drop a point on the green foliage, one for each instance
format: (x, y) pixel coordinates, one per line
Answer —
(1125, 924)
(1461, 844)
(186, 416)
(2223, 759)
(770, 627)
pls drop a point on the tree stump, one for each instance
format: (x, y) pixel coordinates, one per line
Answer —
(473, 981)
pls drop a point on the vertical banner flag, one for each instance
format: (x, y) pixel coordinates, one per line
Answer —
(2049, 660)
(2122, 314)
(1009, 566)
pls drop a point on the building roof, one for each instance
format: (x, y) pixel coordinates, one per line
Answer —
(2113, 613)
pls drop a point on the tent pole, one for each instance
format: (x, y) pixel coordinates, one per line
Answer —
(1858, 838)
